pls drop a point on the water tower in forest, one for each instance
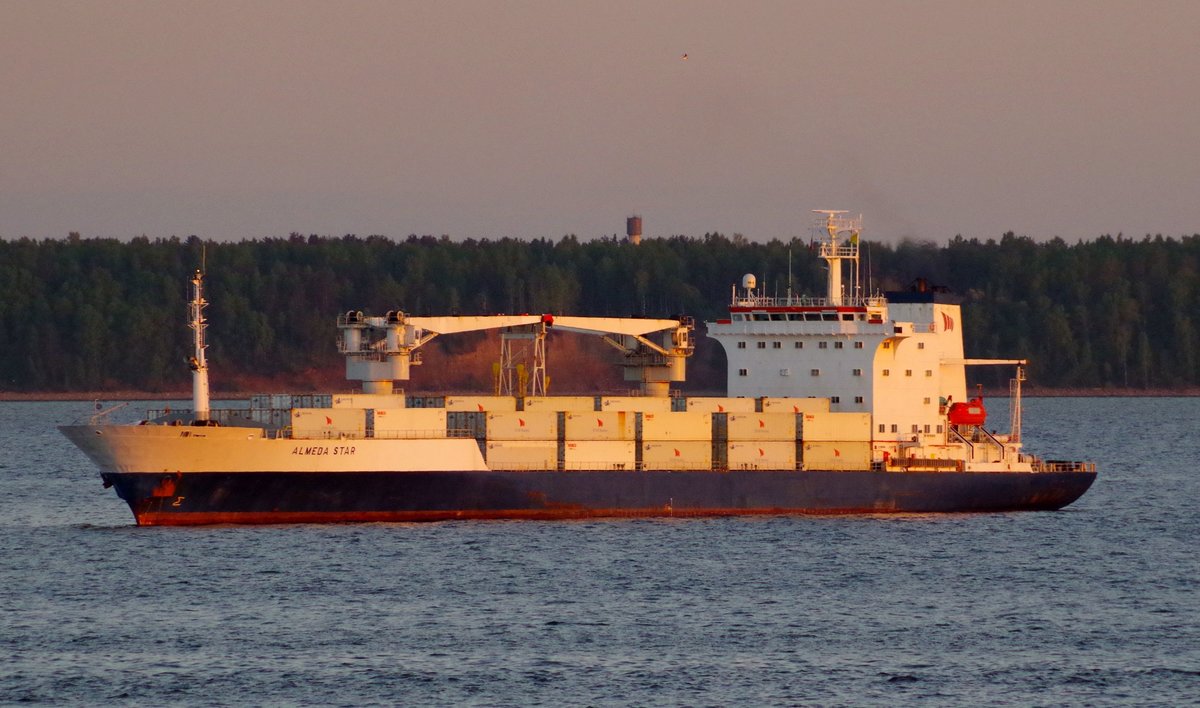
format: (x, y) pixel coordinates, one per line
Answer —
(633, 229)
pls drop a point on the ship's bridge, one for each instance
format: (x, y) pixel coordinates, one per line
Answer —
(800, 308)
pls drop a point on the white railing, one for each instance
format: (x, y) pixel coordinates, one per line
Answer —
(807, 301)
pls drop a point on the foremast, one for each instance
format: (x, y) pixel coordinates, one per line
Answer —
(198, 362)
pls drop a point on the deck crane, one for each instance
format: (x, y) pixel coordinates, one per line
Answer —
(382, 350)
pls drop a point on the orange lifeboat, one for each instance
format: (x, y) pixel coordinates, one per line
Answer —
(970, 413)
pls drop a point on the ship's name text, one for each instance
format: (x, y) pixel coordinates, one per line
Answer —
(323, 450)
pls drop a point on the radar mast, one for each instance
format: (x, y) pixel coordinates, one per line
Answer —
(838, 237)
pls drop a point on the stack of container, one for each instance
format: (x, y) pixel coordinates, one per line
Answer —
(599, 440)
(522, 440)
(761, 441)
(679, 440)
(837, 441)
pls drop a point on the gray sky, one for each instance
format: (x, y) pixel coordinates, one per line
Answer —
(487, 119)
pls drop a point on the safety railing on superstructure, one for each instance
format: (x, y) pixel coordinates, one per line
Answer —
(807, 301)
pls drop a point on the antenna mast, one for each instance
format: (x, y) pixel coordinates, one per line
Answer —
(839, 242)
(198, 362)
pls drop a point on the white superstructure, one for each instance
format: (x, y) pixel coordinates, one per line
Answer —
(898, 358)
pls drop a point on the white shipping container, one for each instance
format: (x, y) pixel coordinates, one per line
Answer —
(599, 425)
(560, 403)
(328, 423)
(368, 400)
(677, 455)
(837, 456)
(721, 405)
(764, 455)
(762, 426)
(678, 425)
(410, 423)
(830, 427)
(600, 455)
(480, 404)
(522, 454)
(795, 405)
(523, 425)
(651, 404)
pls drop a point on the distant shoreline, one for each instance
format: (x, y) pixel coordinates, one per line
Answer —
(1029, 392)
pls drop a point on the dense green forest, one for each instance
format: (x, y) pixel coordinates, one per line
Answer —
(102, 314)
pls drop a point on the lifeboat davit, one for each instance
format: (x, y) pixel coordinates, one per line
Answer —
(970, 413)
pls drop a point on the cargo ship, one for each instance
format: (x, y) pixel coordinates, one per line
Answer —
(845, 403)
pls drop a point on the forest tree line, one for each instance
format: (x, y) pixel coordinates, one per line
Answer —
(102, 314)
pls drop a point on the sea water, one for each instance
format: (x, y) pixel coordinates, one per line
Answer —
(1095, 604)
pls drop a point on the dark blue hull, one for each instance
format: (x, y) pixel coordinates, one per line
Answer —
(294, 497)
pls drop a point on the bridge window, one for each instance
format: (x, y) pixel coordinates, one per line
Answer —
(761, 317)
(738, 317)
(778, 317)
(812, 316)
(829, 317)
(847, 317)
(794, 316)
